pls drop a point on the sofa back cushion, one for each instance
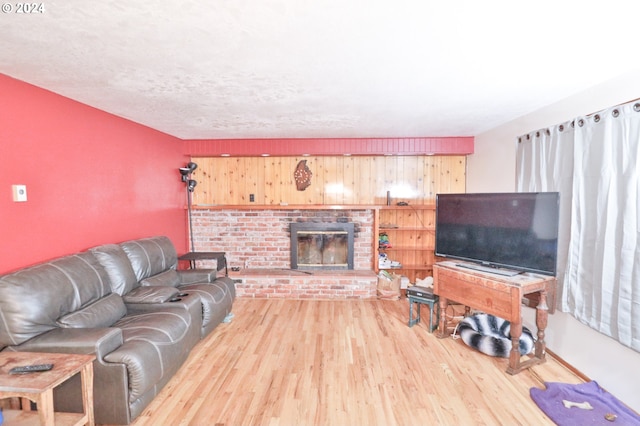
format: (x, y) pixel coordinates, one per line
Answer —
(32, 299)
(116, 263)
(151, 256)
(101, 313)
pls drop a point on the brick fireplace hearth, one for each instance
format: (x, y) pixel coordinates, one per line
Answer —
(292, 284)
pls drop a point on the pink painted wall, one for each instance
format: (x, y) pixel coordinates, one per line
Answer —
(91, 177)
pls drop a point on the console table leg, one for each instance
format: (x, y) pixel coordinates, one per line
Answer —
(442, 321)
(514, 355)
(542, 313)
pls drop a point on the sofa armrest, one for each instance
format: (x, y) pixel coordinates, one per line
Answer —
(195, 276)
(98, 341)
(181, 302)
(150, 294)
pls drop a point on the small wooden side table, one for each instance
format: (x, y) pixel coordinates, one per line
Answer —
(218, 256)
(38, 387)
(434, 308)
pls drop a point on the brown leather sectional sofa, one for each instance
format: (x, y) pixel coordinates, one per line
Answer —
(127, 304)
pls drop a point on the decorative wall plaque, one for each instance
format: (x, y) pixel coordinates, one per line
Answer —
(302, 175)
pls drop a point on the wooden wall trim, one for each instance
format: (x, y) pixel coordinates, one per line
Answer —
(335, 180)
(286, 207)
(452, 145)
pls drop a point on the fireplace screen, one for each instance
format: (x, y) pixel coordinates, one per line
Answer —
(322, 245)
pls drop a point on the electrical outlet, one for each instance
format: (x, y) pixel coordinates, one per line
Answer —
(252, 198)
(19, 193)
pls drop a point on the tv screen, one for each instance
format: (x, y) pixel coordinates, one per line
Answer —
(515, 231)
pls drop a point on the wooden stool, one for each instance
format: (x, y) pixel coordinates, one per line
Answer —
(428, 300)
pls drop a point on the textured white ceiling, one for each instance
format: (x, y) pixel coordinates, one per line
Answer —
(319, 68)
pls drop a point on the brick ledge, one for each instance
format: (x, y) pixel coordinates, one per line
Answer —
(297, 284)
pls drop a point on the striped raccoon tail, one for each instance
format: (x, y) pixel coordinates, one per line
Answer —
(491, 335)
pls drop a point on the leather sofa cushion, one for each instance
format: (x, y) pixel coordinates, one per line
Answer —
(167, 278)
(115, 261)
(195, 276)
(150, 256)
(152, 347)
(151, 294)
(32, 299)
(216, 300)
(102, 313)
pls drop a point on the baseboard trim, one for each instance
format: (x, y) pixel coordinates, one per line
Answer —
(568, 366)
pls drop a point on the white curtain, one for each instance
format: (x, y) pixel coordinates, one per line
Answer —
(593, 162)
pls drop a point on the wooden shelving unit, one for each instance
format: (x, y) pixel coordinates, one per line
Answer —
(411, 232)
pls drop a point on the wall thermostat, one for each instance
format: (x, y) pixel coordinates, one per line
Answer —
(19, 193)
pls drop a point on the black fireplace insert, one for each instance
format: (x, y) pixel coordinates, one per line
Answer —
(322, 245)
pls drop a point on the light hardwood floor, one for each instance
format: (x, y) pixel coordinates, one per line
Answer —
(303, 362)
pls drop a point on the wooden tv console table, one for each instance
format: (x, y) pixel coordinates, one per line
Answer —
(497, 295)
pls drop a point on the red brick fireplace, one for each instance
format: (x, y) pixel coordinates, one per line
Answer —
(258, 241)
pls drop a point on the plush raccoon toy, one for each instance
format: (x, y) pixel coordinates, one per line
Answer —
(491, 335)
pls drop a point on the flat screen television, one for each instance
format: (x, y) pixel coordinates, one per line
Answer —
(504, 233)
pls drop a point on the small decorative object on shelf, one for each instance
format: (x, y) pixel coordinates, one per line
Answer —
(383, 240)
(385, 263)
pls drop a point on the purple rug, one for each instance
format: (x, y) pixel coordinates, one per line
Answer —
(557, 396)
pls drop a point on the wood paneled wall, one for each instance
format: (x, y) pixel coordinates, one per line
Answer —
(336, 180)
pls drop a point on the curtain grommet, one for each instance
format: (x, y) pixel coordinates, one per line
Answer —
(615, 112)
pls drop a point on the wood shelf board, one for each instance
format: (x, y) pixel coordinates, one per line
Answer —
(409, 268)
(410, 228)
(284, 207)
(406, 248)
(409, 207)
(27, 418)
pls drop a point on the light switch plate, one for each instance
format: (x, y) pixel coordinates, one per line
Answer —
(19, 193)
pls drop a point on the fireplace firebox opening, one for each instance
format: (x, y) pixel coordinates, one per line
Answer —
(322, 246)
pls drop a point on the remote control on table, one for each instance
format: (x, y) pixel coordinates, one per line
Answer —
(30, 368)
